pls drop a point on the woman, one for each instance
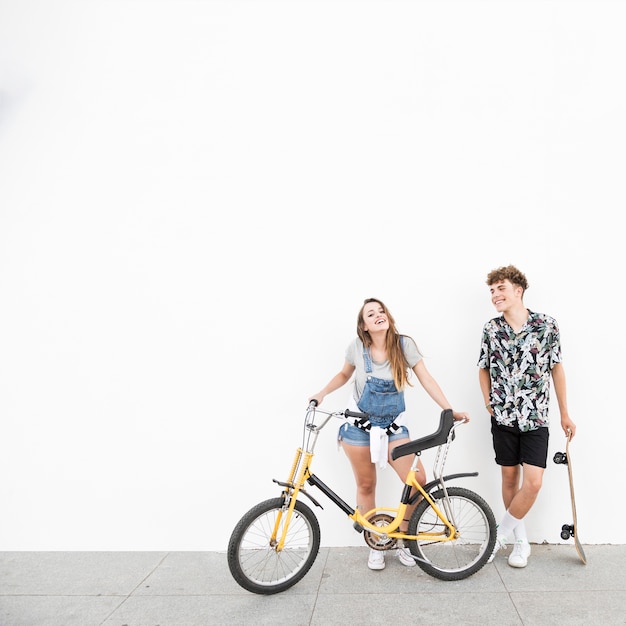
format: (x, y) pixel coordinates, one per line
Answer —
(381, 360)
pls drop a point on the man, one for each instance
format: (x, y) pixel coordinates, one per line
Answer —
(520, 353)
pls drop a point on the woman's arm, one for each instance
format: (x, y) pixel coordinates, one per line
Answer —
(433, 389)
(338, 380)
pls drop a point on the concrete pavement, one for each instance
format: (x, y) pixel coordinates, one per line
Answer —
(196, 589)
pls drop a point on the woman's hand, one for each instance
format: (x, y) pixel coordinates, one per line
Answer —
(461, 415)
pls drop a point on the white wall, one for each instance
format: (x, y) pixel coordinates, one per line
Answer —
(195, 198)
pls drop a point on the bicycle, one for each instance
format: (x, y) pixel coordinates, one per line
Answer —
(451, 532)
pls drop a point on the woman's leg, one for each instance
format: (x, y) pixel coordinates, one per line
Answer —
(402, 466)
(365, 475)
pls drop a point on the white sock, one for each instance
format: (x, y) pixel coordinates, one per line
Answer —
(506, 528)
(520, 532)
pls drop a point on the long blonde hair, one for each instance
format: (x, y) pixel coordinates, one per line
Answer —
(393, 345)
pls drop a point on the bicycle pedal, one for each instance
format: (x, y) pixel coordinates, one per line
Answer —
(357, 527)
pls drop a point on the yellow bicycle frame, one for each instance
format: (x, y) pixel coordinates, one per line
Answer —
(293, 486)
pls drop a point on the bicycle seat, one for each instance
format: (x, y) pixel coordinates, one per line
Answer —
(436, 439)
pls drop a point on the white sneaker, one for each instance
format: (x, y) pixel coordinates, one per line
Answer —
(520, 554)
(404, 556)
(376, 559)
(499, 545)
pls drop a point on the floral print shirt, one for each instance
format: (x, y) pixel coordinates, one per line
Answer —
(519, 366)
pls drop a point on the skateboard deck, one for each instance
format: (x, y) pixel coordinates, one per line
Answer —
(570, 530)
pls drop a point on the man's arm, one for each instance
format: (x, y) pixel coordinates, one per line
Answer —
(485, 386)
(560, 387)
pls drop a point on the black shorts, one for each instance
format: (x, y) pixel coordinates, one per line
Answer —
(514, 447)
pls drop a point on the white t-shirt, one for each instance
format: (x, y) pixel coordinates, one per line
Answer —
(354, 356)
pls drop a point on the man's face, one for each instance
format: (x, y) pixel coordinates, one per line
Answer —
(504, 295)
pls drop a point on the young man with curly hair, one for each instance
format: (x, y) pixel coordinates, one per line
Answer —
(520, 354)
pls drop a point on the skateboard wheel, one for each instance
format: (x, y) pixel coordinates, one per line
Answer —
(560, 458)
(567, 531)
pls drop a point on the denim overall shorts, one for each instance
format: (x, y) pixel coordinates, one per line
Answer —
(382, 401)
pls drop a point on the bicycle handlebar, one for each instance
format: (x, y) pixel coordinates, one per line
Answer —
(314, 404)
(447, 426)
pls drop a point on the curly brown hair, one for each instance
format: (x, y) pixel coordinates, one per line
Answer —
(393, 345)
(510, 273)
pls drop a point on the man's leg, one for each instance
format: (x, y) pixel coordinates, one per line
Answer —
(523, 500)
(518, 500)
(512, 525)
(510, 483)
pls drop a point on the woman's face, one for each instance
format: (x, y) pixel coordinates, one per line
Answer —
(374, 318)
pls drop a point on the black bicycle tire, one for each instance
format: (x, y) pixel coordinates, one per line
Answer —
(419, 549)
(288, 570)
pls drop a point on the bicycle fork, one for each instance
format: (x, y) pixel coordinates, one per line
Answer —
(292, 488)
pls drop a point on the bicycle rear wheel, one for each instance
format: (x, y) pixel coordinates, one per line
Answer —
(464, 555)
(253, 559)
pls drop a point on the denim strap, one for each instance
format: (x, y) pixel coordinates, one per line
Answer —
(367, 359)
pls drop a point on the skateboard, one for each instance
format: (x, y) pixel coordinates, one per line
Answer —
(570, 530)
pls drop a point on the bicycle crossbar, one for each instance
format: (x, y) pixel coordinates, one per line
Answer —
(316, 482)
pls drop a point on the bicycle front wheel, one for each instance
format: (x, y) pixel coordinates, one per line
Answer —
(253, 559)
(469, 550)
